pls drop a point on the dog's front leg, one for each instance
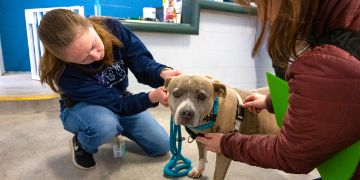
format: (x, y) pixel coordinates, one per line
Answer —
(221, 167)
(196, 172)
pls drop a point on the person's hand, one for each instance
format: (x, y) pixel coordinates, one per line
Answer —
(169, 73)
(211, 141)
(159, 95)
(255, 102)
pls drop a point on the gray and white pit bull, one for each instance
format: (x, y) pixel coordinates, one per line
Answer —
(191, 99)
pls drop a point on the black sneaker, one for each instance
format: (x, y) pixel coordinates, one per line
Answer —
(80, 157)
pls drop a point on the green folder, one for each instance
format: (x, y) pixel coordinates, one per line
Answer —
(342, 165)
(279, 91)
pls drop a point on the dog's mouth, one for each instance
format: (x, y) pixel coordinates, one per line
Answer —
(193, 122)
(186, 122)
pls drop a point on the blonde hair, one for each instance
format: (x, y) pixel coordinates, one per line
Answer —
(293, 22)
(57, 30)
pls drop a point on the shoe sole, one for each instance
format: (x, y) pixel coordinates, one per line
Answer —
(73, 157)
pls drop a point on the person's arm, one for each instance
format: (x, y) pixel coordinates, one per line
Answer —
(322, 118)
(136, 56)
(268, 103)
(87, 89)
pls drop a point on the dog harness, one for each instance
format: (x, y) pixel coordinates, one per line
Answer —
(240, 114)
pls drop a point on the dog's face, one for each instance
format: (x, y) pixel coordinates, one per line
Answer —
(191, 98)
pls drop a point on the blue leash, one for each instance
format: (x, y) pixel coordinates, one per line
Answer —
(178, 165)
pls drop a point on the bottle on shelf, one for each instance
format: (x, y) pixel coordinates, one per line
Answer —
(97, 8)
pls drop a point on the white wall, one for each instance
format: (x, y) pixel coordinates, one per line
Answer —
(2, 69)
(222, 50)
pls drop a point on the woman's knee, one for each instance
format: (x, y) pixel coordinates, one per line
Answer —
(95, 121)
(160, 149)
(147, 132)
(159, 146)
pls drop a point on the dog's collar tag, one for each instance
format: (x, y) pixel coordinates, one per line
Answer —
(210, 117)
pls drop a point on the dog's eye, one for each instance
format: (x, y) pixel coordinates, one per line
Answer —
(176, 94)
(201, 97)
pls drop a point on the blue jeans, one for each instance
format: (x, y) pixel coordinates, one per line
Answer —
(96, 125)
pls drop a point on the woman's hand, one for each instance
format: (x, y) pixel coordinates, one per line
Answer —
(169, 73)
(159, 95)
(255, 102)
(211, 141)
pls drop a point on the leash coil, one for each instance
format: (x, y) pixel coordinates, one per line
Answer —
(178, 165)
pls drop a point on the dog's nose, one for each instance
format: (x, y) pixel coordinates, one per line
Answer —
(187, 114)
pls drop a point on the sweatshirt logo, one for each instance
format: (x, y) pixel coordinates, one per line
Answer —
(112, 75)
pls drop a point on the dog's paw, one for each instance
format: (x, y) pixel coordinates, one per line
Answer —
(195, 173)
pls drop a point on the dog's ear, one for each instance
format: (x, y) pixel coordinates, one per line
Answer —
(214, 80)
(167, 81)
(209, 77)
(217, 81)
(219, 89)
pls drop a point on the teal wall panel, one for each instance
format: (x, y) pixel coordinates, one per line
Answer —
(13, 30)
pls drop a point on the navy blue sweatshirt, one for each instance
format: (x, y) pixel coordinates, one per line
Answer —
(107, 87)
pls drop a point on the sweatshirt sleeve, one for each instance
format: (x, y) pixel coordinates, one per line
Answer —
(86, 89)
(321, 120)
(136, 56)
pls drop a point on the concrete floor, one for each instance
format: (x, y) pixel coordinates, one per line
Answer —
(34, 145)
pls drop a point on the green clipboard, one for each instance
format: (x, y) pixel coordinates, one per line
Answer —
(342, 165)
(279, 91)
